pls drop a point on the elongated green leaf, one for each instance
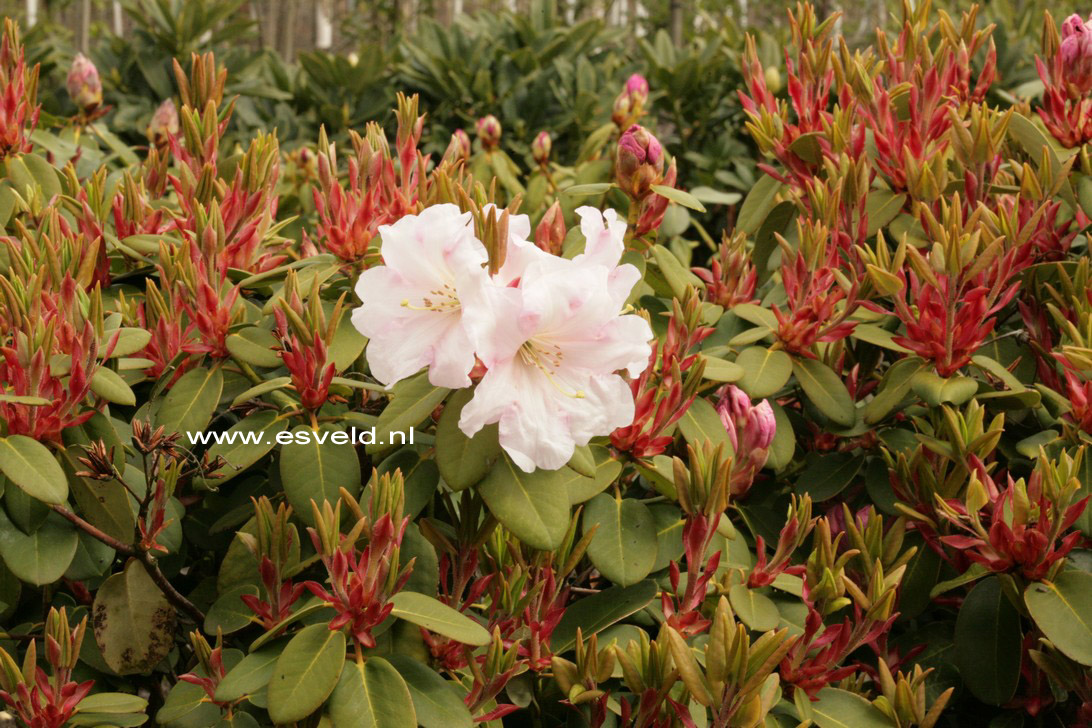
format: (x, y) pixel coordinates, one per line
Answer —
(191, 402)
(30, 465)
(372, 695)
(254, 436)
(624, 546)
(306, 672)
(825, 389)
(582, 488)
(254, 346)
(463, 461)
(1063, 610)
(839, 708)
(109, 385)
(412, 400)
(437, 702)
(758, 203)
(701, 422)
(826, 475)
(533, 506)
(314, 467)
(765, 371)
(249, 676)
(597, 612)
(679, 197)
(435, 616)
(987, 643)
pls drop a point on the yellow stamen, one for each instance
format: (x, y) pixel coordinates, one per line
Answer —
(539, 354)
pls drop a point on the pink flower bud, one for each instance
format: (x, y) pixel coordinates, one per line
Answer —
(458, 149)
(622, 114)
(1075, 53)
(489, 132)
(84, 85)
(164, 124)
(751, 429)
(550, 233)
(637, 88)
(540, 148)
(640, 162)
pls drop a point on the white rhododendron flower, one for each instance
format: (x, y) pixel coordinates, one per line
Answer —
(553, 346)
(412, 306)
(550, 332)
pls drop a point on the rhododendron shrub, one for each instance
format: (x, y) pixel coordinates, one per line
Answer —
(345, 431)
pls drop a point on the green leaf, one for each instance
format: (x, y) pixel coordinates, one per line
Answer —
(251, 675)
(583, 488)
(133, 621)
(721, 370)
(588, 190)
(973, 573)
(315, 467)
(130, 340)
(463, 461)
(765, 371)
(894, 387)
(987, 643)
(229, 613)
(679, 197)
(30, 465)
(190, 404)
(754, 608)
(936, 390)
(371, 695)
(112, 703)
(701, 422)
(255, 346)
(837, 708)
(624, 546)
(758, 203)
(435, 616)
(826, 390)
(265, 387)
(825, 475)
(437, 702)
(1063, 610)
(109, 385)
(412, 400)
(595, 613)
(882, 206)
(533, 506)
(41, 557)
(711, 196)
(807, 147)
(783, 446)
(240, 454)
(306, 672)
(187, 706)
(677, 275)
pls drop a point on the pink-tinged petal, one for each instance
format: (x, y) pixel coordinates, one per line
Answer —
(604, 236)
(621, 343)
(411, 308)
(607, 404)
(417, 246)
(533, 429)
(491, 317)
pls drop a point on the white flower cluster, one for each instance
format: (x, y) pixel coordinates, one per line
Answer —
(550, 331)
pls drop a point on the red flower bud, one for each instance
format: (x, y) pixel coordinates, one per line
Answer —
(550, 233)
